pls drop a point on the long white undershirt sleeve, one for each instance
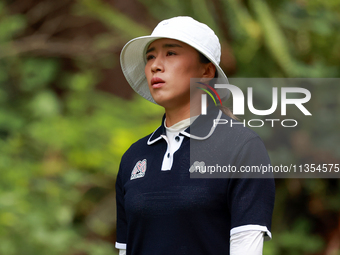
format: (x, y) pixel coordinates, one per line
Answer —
(122, 252)
(248, 242)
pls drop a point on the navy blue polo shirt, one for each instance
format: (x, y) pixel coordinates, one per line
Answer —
(167, 212)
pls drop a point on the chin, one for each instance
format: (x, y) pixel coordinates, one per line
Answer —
(162, 103)
(171, 104)
(160, 99)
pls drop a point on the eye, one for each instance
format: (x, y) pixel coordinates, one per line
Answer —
(149, 57)
(171, 53)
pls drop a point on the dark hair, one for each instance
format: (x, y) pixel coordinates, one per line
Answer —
(203, 59)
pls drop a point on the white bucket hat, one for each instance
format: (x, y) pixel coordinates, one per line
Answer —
(184, 29)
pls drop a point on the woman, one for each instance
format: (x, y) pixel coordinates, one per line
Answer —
(160, 209)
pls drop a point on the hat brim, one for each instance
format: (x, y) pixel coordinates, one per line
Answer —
(133, 61)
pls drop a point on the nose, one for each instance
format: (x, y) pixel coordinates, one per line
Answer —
(157, 65)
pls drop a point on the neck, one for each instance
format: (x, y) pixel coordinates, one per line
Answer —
(175, 115)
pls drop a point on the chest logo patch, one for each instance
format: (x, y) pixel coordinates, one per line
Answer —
(139, 169)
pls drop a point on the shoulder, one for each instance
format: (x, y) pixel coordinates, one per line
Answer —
(234, 132)
(134, 154)
(136, 148)
(145, 148)
(243, 146)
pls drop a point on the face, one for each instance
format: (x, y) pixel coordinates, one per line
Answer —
(170, 65)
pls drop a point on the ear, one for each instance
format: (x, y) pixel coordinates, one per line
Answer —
(209, 71)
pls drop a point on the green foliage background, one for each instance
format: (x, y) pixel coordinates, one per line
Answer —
(61, 138)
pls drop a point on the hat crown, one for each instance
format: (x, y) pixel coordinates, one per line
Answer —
(194, 33)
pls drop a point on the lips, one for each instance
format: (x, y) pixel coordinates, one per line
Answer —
(157, 82)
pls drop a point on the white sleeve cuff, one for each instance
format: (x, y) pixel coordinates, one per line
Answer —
(247, 242)
(122, 252)
(121, 246)
(264, 229)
